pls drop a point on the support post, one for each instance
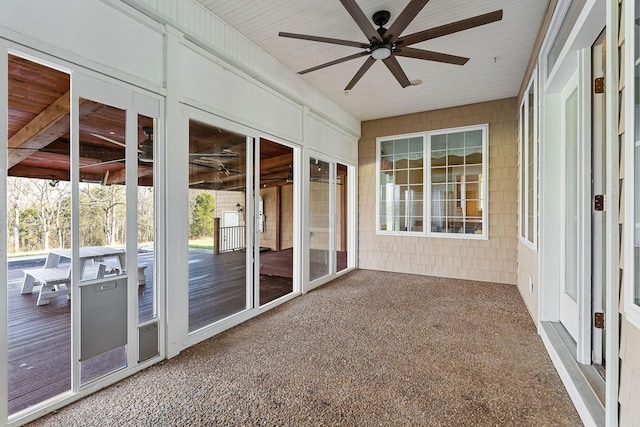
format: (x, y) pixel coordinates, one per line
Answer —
(216, 236)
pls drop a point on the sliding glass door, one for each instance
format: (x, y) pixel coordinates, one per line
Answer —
(38, 200)
(328, 218)
(75, 278)
(321, 218)
(217, 245)
(275, 221)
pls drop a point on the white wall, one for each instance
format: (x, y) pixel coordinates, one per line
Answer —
(226, 92)
(91, 32)
(206, 30)
(328, 139)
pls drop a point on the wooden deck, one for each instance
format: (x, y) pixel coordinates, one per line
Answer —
(39, 337)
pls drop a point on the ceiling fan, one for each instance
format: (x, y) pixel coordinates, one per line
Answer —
(215, 165)
(386, 44)
(145, 149)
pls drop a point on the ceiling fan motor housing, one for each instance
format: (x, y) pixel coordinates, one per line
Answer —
(381, 17)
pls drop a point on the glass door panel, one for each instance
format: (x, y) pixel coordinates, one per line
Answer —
(217, 228)
(275, 220)
(571, 235)
(102, 221)
(320, 218)
(147, 295)
(342, 215)
(38, 200)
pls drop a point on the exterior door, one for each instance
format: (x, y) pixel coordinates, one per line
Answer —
(218, 260)
(327, 219)
(275, 221)
(112, 329)
(321, 218)
(571, 200)
(598, 301)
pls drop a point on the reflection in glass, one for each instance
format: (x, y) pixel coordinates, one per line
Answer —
(147, 294)
(276, 220)
(320, 211)
(401, 184)
(217, 249)
(38, 201)
(102, 215)
(456, 182)
(102, 196)
(342, 198)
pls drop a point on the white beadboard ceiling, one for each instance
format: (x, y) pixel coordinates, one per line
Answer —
(498, 52)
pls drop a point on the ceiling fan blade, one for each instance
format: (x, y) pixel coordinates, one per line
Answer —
(101, 163)
(106, 138)
(453, 27)
(429, 55)
(367, 64)
(361, 19)
(215, 155)
(337, 61)
(394, 66)
(324, 40)
(404, 19)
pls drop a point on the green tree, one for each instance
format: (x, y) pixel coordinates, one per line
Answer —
(102, 215)
(203, 214)
(30, 230)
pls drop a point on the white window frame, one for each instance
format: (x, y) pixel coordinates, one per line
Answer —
(632, 142)
(484, 189)
(524, 208)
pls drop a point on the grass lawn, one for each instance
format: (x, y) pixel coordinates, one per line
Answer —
(201, 243)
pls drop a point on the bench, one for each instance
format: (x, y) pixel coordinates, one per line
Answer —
(53, 282)
(112, 264)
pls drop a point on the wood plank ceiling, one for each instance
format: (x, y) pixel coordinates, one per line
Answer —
(498, 52)
(39, 139)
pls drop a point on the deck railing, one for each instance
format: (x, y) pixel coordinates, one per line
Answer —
(231, 238)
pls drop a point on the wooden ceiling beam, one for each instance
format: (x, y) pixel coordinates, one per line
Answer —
(119, 177)
(38, 173)
(46, 127)
(274, 162)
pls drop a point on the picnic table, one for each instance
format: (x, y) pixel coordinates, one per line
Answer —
(55, 279)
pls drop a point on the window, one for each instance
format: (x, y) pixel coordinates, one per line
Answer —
(401, 169)
(529, 164)
(451, 165)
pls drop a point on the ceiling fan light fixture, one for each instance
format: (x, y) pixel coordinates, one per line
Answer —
(381, 52)
(146, 147)
(146, 151)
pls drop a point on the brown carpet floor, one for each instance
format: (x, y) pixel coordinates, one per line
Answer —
(370, 348)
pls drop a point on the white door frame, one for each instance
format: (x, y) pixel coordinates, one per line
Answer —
(593, 18)
(135, 103)
(138, 101)
(597, 161)
(297, 210)
(576, 55)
